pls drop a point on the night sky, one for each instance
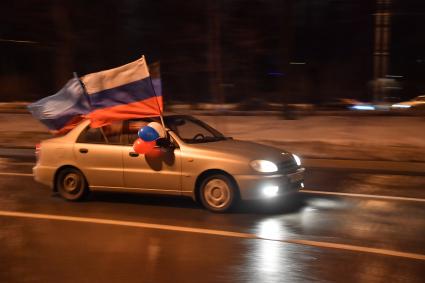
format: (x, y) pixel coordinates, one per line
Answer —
(219, 51)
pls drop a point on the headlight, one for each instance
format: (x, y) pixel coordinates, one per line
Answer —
(263, 166)
(270, 191)
(297, 159)
(400, 106)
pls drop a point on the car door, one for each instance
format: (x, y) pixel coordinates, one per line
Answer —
(98, 152)
(159, 174)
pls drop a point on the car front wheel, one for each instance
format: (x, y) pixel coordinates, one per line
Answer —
(71, 184)
(218, 193)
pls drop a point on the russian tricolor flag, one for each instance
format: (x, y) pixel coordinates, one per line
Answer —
(122, 93)
(117, 94)
(62, 111)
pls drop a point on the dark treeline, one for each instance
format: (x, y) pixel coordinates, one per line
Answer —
(218, 51)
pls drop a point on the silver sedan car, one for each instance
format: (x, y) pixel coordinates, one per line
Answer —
(194, 160)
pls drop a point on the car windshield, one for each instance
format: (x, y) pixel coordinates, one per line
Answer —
(192, 130)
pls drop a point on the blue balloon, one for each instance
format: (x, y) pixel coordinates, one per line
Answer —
(148, 134)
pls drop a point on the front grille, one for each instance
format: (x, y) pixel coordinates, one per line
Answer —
(288, 166)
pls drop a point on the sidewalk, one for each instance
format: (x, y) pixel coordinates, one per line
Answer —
(325, 137)
(333, 137)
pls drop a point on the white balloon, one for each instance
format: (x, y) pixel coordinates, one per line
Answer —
(158, 128)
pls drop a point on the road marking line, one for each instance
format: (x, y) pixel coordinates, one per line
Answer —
(128, 224)
(22, 163)
(357, 249)
(213, 232)
(3, 161)
(361, 195)
(16, 174)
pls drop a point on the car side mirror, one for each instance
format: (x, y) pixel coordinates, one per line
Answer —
(165, 143)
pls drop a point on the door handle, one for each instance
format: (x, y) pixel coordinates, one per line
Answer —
(84, 150)
(133, 154)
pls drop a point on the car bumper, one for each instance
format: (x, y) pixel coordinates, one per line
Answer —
(252, 187)
(44, 174)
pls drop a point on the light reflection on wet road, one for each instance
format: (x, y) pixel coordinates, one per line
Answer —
(37, 250)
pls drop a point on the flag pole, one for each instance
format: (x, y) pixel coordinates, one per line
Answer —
(83, 87)
(159, 107)
(156, 96)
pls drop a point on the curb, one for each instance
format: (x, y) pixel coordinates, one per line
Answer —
(367, 166)
(17, 147)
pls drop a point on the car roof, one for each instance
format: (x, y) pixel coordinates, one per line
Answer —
(73, 134)
(86, 122)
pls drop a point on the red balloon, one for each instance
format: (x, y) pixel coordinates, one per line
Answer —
(141, 147)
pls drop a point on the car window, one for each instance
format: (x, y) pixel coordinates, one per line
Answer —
(193, 130)
(109, 134)
(187, 130)
(133, 126)
(91, 135)
(113, 132)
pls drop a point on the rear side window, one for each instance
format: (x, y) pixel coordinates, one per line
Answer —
(91, 135)
(112, 133)
(109, 134)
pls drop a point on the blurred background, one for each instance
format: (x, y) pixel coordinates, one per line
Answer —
(246, 52)
(333, 81)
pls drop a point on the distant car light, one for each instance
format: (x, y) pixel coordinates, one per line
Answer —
(264, 166)
(270, 191)
(363, 107)
(297, 159)
(401, 106)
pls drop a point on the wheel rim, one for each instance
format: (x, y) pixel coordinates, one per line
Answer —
(72, 183)
(217, 193)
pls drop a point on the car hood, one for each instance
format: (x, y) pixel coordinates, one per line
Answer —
(242, 149)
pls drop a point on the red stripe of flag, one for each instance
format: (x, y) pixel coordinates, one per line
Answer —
(150, 107)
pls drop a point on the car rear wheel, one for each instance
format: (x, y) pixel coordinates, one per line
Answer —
(218, 193)
(71, 184)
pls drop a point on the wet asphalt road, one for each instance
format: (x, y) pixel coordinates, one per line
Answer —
(309, 237)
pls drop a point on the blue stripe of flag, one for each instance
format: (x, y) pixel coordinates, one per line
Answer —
(57, 110)
(123, 94)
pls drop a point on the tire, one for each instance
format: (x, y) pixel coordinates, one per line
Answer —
(71, 184)
(218, 193)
